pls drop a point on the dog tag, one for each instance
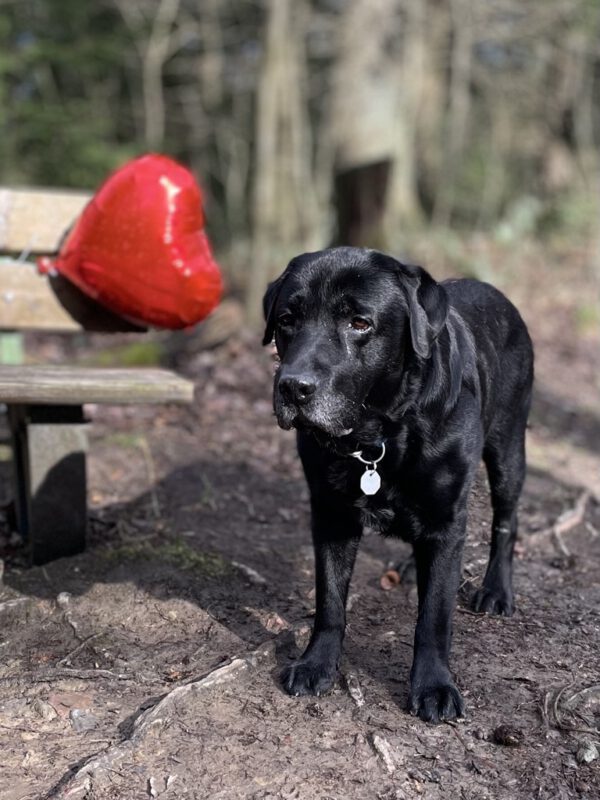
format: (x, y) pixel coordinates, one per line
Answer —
(370, 482)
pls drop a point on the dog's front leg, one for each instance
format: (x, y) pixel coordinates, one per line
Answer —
(336, 536)
(433, 695)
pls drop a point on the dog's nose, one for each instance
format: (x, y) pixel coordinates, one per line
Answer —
(297, 389)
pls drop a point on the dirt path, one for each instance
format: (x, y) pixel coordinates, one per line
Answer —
(147, 667)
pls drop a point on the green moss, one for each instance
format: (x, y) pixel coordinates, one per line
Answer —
(125, 440)
(176, 552)
(180, 554)
(587, 317)
(136, 354)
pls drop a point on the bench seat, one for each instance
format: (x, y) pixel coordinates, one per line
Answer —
(65, 385)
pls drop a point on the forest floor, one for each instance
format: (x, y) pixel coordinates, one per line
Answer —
(147, 666)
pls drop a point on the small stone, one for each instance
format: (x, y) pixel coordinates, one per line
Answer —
(44, 709)
(587, 753)
(82, 720)
(63, 599)
(275, 623)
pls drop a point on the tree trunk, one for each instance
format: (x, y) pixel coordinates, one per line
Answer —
(376, 96)
(283, 198)
(458, 109)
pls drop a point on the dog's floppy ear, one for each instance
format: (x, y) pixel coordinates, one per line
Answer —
(269, 301)
(428, 309)
(272, 293)
(427, 304)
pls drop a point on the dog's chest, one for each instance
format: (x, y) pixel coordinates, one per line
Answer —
(388, 510)
(408, 502)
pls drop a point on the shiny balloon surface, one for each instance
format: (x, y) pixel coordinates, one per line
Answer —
(140, 248)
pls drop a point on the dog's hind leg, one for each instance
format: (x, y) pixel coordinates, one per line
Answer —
(504, 456)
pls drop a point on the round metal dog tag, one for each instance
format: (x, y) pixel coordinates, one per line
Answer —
(370, 482)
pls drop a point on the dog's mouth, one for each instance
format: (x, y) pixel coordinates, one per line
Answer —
(290, 417)
(330, 430)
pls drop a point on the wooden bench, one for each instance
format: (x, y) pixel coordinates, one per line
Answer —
(45, 404)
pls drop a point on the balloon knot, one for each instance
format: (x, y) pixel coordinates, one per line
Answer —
(46, 266)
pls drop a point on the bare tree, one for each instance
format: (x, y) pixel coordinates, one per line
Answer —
(459, 102)
(283, 198)
(154, 47)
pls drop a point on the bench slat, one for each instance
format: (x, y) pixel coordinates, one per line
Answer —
(33, 302)
(66, 385)
(35, 219)
(28, 303)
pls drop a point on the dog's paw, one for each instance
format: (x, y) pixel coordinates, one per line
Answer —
(308, 677)
(496, 600)
(436, 703)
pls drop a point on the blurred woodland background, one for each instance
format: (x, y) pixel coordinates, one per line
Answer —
(460, 134)
(311, 122)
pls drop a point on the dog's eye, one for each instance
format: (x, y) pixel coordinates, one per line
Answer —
(285, 320)
(360, 324)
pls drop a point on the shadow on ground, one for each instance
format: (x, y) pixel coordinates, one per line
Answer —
(580, 426)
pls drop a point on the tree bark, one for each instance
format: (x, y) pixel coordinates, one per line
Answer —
(283, 198)
(458, 109)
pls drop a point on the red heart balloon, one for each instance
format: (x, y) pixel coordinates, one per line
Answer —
(140, 249)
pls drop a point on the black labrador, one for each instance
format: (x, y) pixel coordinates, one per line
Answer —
(398, 385)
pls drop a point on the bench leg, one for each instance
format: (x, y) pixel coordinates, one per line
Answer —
(49, 446)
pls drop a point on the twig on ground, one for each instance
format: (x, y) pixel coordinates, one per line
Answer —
(353, 688)
(555, 704)
(251, 574)
(79, 648)
(63, 601)
(150, 469)
(468, 611)
(14, 603)
(568, 520)
(51, 675)
(582, 692)
(557, 720)
(544, 709)
(384, 750)
(454, 725)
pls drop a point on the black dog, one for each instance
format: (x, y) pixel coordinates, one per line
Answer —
(418, 380)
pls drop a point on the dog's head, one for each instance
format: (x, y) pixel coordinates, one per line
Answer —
(344, 321)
